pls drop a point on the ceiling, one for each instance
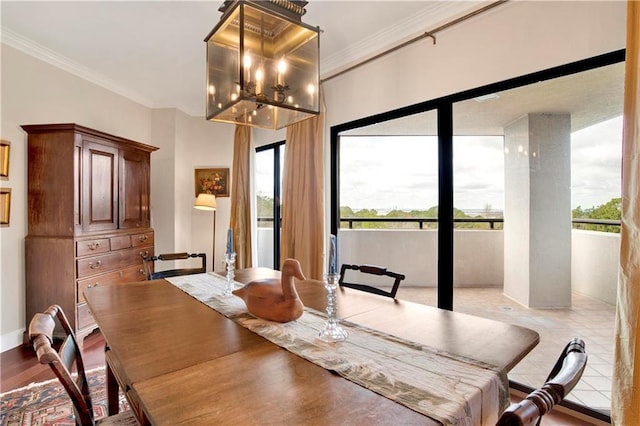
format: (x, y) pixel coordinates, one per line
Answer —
(590, 97)
(153, 51)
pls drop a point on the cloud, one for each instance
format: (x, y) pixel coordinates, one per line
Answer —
(402, 172)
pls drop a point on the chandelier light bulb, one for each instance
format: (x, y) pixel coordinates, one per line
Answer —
(311, 89)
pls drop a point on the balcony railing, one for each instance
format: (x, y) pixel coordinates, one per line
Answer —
(422, 220)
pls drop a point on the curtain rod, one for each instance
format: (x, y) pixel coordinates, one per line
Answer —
(426, 34)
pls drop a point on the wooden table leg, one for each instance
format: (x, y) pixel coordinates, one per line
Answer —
(113, 403)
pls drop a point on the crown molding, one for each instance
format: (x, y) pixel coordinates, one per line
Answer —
(400, 32)
(31, 48)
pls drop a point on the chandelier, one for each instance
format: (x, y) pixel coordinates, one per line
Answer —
(262, 64)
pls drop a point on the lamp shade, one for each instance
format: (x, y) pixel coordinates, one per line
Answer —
(205, 202)
(263, 65)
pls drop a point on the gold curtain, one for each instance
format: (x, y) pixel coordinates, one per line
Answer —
(626, 369)
(303, 197)
(240, 220)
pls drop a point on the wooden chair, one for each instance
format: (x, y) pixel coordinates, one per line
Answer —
(373, 270)
(149, 263)
(61, 362)
(563, 377)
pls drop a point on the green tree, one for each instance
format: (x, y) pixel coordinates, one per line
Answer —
(264, 210)
(611, 210)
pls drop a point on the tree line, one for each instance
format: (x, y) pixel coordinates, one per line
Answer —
(609, 210)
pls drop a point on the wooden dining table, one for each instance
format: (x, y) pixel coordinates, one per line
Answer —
(180, 362)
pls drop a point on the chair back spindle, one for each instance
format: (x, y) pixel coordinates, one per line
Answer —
(371, 270)
(562, 379)
(149, 265)
(63, 361)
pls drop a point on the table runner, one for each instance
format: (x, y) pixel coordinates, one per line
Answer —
(450, 389)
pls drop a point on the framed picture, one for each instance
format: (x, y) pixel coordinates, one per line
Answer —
(4, 159)
(5, 206)
(212, 181)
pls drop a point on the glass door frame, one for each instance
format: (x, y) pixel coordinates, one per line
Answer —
(444, 108)
(277, 206)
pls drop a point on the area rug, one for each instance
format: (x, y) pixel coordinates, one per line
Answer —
(48, 404)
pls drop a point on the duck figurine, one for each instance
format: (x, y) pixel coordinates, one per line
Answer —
(275, 299)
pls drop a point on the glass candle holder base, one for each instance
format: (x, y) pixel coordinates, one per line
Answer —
(333, 332)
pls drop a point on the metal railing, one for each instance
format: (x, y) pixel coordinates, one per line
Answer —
(419, 220)
(422, 220)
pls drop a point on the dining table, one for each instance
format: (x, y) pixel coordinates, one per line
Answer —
(178, 361)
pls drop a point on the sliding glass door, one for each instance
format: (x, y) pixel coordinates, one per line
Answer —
(503, 202)
(268, 173)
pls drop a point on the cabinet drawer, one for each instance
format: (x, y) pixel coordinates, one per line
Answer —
(126, 275)
(85, 319)
(119, 243)
(145, 238)
(90, 247)
(94, 265)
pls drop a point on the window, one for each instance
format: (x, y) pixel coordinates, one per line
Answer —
(515, 161)
(268, 173)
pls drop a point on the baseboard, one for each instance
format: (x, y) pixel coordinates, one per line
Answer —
(12, 340)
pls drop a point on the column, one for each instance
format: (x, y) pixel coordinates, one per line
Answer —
(537, 215)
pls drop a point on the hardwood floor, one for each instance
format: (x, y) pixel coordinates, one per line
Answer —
(20, 367)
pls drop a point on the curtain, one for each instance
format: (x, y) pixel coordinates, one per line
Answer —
(303, 197)
(240, 221)
(626, 369)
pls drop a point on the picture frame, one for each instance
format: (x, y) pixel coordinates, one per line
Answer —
(5, 147)
(212, 181)
(5, 206)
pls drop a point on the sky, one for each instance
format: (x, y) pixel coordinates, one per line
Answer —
(390, 173)
(401, 172)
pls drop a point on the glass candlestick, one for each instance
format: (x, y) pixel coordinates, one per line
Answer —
(230, 260)
(332, 331)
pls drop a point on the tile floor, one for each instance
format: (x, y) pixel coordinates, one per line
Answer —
(589, 319)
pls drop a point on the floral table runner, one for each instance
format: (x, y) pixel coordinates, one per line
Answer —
(445, 387)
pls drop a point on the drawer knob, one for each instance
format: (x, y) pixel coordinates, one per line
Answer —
(93, 285)
(96, 266)
(93, 245)
(142, 238)
(144, 253)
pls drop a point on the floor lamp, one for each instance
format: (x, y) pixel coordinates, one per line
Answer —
(208, 202)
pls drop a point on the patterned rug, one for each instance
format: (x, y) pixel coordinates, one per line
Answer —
(47, 403)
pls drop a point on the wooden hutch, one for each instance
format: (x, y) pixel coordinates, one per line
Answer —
(88, 217)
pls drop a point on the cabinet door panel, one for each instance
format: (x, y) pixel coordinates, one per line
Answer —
(100, 183)
(134, 189)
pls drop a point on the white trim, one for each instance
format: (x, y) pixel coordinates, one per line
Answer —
(11, 340)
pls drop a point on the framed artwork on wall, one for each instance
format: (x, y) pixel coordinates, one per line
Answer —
(5, 146)
(5, 206)
(212, 181)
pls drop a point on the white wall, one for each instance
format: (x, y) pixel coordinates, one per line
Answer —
(35, 92)
(201, 144)
(511, 40)
(478, 254)
(594, 264)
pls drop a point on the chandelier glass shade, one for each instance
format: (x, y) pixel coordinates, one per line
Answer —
(262, 65)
